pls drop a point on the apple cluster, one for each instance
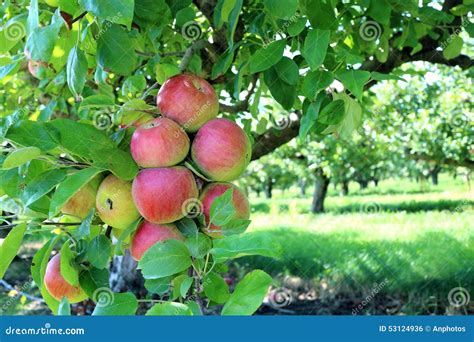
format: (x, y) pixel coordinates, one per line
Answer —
(165, 190)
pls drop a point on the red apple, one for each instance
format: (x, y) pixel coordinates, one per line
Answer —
(159, 143)
(239, 200)
(114, 203)
(57, 286)
(221, 150)
(161, 194)
(189, 100)
(148, 234)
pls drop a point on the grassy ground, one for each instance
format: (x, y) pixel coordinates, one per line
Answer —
(411, 244)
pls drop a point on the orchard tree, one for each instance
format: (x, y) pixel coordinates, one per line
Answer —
(87, 83)
(431, 120)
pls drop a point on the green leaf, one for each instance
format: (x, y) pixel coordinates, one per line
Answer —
(93, 279)
(354, 80)
(119, 12)
(282, 92)
(42, 184)
(165, 259)
(320, 14)
(33, 16)
(122, 304)
(316, 81)
(315, 47)
(32, 133)
(41, 41)
(9, 69)
(235, 226)
(380, 11)
(68, 272)
(126, 233)
(454, 48)
(296, 26)
(287, 71)
(222, 11)
(333, 113)
(115, 50)
(85, 227)
(20, 157)
(97, 101)
(265, 57)
(69, 187)
(281, 8)
(198, 245)
(169, 309)
(215, 288)
(351, 120)
(10, 247)
(237, 246)
(159, 286)
(187, 227)
(310, 117)
(248, 294)
(181, 285)
(222, 208)
(64, 308)
(233, 20)
(76, 71)
(98, 251)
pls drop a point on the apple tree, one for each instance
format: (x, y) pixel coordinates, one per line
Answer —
(81, 79)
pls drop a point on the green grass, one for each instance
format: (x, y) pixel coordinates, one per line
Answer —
(416, 241)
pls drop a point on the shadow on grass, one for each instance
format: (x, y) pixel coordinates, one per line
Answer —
(371, 207)
(435, 261)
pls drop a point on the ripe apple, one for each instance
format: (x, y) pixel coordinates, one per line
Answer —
(189, 100)
(159, 143)
(221, 150)
(81, 202)
(161, 194)
(114, 203)
(148, 234)
(239, 200)
(57, 286)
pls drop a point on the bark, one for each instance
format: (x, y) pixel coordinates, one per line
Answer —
(363, 184)
(345, 188)
(269, 188)
(376, 182)
(320, 190)
(434, 174)
(124, 275)
(302, 184)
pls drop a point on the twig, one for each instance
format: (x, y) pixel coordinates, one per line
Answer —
(147, 92)
(11, 288)
(196, 46)
(82, 15)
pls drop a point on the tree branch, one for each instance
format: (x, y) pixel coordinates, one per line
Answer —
(468, 163)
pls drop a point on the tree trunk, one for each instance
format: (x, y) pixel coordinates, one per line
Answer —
(320, 190)
(345, 188)
(363, 184)
(376, 182)
(269, 188)
(124, 275)
(434, 174)
(258, 192)
(302, 184)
